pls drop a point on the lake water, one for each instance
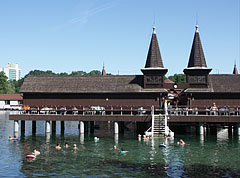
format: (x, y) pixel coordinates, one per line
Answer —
(213, 156)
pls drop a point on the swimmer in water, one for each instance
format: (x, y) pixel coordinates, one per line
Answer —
(96, 139)
(58, 147)
(35, 152)
(139, 137)
(66, 145)
(123, 151)
(74, 146)
(181, 142)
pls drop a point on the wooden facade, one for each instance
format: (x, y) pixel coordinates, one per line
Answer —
(149, 89)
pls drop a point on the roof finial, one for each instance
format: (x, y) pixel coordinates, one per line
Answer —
(154, 29)
(196, 28)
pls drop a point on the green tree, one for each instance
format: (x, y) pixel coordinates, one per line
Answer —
(178, 78)
(78, 73)
(16, 85)
(41, 73)
(4, 85)
(95, 72)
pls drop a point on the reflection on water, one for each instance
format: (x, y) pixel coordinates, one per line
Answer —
(202, 156)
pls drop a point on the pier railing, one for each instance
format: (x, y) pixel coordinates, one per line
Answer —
(131, 110)
(220, 111)
(91, 110)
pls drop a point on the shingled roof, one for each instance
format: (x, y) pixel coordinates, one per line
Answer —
(85, 84)
(220, 83)
(154, 58)
(197, 58)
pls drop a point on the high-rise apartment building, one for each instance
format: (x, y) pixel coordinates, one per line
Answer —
(12, 71)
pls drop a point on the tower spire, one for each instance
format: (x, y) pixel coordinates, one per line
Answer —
(235, 71)
(103, 70)
(154, 70)
(197, 71)
(154, 58)
(197, 58)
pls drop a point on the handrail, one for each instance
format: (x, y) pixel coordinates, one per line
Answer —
(130, 110)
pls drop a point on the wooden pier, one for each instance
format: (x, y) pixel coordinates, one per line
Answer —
(176, 116)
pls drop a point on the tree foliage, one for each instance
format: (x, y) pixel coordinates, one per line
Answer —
(4, 85)
(41, 73)
(178, 78)
(16, 85)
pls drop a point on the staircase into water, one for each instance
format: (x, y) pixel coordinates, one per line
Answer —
(159, 125)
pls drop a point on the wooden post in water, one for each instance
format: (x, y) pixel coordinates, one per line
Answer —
(85, 126)
(22, 127)
(237, 129)
(91, 126)
(213, 130)
(121, 127)
(54, 127)
(34, 127)
(230, 130)
(62, 127)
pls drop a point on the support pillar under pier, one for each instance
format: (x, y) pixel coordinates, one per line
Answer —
(47, 127)
(230, 130)
(85, 126)
(22, 127)
(121, 127)
(116, 131)
(237, 129)
(16, 125)
(62, 127)
(54, 127)
(91, 126)
(201, 129)
(81, 127)
(213, 130)
(34, 127)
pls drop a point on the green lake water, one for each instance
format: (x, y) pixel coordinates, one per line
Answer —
(211, 156)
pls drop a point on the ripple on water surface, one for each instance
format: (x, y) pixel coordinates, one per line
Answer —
(211, 157)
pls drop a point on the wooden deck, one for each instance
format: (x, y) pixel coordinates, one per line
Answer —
(124, 118)
(205, 119)
(129, 114)
(127, 118)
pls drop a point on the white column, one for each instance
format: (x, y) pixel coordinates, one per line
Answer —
(201, 129)
(116, 128)
(47, 137)
(16, 126)
(47, 127)
(81, 127)
(116, 138)
(82, 138)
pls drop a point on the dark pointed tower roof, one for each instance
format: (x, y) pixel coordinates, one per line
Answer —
(197, 58)
(154, 58)
(197, 63)
(103, 71)
(235, 71)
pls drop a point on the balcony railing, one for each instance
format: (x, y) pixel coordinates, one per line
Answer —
(131, 110)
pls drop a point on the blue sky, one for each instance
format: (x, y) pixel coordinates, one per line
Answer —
(72, 35)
